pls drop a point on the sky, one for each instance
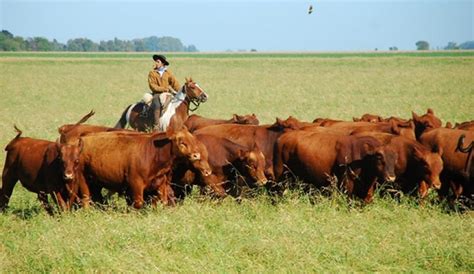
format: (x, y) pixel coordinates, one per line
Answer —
(264, 25)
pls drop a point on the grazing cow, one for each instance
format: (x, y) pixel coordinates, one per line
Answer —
(417, 167)
(195, 122)
(42, 167)
(262, 136)
(371, 118)
(325, 122)
(425, 122)
(315, 157)
(457, 171)
(137, 163)
(228, 157)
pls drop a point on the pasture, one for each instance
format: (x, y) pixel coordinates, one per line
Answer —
(40, 92)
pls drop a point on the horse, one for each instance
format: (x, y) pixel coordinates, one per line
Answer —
(140, 115)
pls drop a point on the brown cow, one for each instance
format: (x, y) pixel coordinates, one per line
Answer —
(195, 122)
(137, 163)
(425, 122)
(228, 157)
(42, 167)
(406, 129)
(314, 157)
(457, 174)
(417, 167)
(262, 136)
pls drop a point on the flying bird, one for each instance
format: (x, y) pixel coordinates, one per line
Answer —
(310, 10)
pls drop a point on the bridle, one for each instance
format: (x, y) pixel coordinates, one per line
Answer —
(194, 100)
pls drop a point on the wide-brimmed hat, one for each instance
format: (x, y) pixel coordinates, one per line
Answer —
(162, 58)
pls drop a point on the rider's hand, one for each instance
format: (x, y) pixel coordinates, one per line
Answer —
(171, 90)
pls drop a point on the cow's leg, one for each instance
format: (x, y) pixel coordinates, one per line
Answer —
(58, 199)
(423, 189)
(8, 183)
(83, 189)
(43, 197)
(137, 187)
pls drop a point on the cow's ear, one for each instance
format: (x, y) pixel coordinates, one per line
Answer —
(394, 127)
(430, 111)
(449, 125)
(355, 119)
(161, 139)
(235, 117)
(415, 116)
(52, 152)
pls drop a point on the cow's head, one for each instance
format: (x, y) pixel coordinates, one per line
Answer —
(245, 119)
(429, 166)
(186, 146)
(425, 122)
(68, 154)
(254, 163)
(405, 129)
(366, 161)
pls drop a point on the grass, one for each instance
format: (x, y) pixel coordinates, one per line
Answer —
(40, 92)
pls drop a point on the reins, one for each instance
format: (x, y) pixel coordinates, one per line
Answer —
(193, 101)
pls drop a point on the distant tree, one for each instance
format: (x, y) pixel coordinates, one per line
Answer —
(82, 44)
(168, 43)
(467, 45)
(6, 34)
(422, 45)
(451, 45)
(253, 50)
(393, 48)
(191, 48)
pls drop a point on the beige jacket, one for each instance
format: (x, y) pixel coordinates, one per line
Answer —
(161, 84)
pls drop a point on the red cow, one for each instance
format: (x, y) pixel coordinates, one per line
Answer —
(228, 156)
(137, 163)
(195, 122)
(417, 167)
(42, 167)
(457, 174)
(425, 122)
(264, 137)
(315, 157)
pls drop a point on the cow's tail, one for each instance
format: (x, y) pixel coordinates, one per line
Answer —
(122, 122)
(468, 150)
(86, 117)
(18, 135)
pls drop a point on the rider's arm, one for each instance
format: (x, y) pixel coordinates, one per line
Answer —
(153, 83)
(173, 82)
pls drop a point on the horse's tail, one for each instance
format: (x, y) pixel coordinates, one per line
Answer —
(122, 122)
(19, 132)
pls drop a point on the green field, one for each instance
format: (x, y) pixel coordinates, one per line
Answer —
(41, 91)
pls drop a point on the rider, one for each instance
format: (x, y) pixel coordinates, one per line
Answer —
(162, 84)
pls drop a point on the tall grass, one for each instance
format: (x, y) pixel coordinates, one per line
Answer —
(298, 233)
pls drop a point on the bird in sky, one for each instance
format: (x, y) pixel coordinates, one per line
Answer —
(310, 10)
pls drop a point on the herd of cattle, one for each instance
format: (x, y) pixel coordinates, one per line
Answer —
(224, 156)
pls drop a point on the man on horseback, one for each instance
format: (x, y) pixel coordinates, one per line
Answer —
(163, 85)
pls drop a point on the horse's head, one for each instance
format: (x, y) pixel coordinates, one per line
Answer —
(194, 91)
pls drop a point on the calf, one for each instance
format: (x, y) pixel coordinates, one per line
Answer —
(195, 122)
(314, 157)
(137, 163)
(42, 167)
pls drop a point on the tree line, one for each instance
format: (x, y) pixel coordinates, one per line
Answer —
(9, 42)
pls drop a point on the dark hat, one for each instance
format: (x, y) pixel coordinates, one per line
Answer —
(162, 58)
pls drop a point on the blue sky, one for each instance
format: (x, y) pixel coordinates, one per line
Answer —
(348, 25)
